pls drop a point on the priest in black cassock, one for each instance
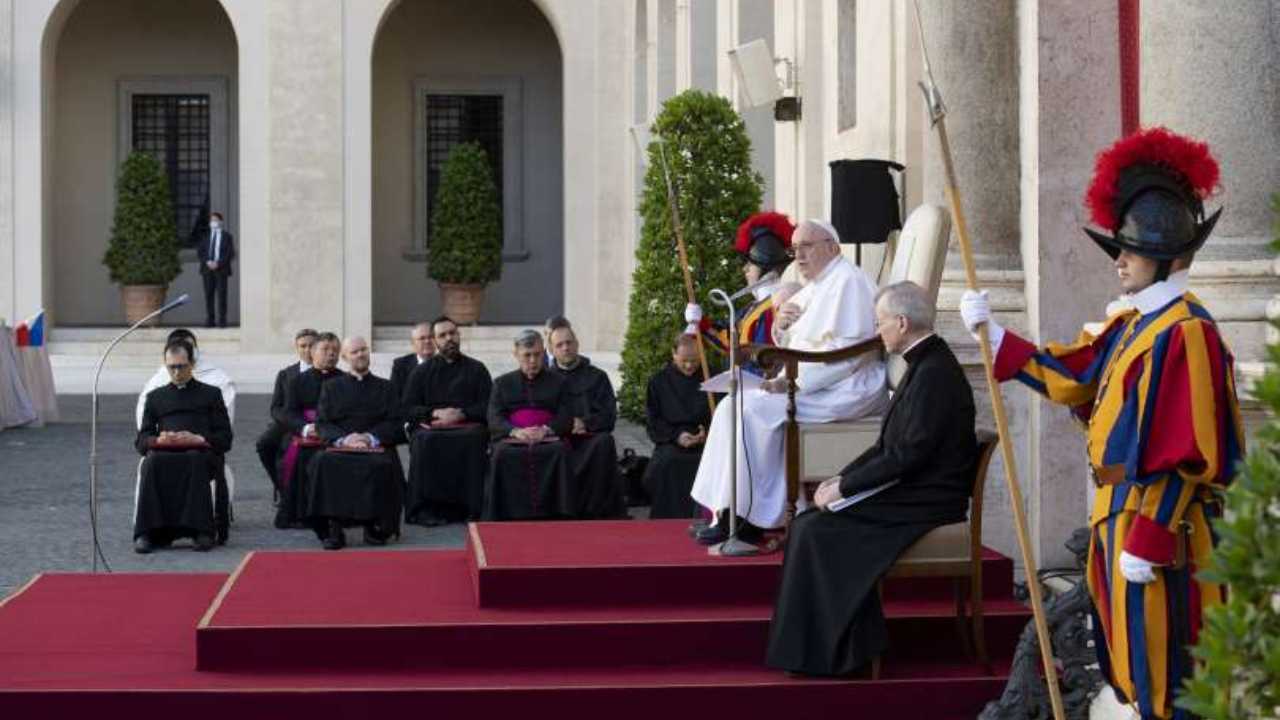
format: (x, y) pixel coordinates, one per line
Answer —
(297, 419)
(593, 456)
(676, 416)
(529, 418)
(358, 479)
(828, 619)
(424, 348)
(184, 436)
(446, 401)
(269, 442)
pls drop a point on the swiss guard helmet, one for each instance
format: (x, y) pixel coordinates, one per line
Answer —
(1148, 193)
(765, 240)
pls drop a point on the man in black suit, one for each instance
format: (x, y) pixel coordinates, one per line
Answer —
(828, 619)
(269, 442)
(217, 250)
(424, 347)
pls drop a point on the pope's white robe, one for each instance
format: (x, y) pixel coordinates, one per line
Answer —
(209, 375)
(837, 311)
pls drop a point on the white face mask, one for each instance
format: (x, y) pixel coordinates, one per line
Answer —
(215, 225)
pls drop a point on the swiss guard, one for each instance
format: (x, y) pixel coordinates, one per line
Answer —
(1156, 391)
(764, 243)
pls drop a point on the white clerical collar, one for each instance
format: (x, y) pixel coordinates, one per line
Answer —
(913, 345)
(182, 386)
(361, 378)
(1157, 295)
(303, 366)
(422, 359)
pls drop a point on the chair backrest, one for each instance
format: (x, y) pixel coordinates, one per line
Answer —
(919, 256)
(987, 442)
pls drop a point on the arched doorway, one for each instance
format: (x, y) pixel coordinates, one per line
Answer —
(445, 71)
(153, 75)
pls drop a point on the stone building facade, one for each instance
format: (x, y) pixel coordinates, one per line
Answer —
(320, 123)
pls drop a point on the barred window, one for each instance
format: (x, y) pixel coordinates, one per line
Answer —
(455, 119)
(175, 128)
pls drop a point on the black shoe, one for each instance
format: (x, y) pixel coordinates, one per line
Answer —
(275, 498)
(203, 543)
(696, 526)
(373, 537)
(208, 323)
(712, 534)
(282, 519)
(426, 518)
(142, 545)
(336, 539)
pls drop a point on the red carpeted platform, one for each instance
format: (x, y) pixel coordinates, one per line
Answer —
(355, 634)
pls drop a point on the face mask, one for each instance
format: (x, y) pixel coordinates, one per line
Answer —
(215, 225)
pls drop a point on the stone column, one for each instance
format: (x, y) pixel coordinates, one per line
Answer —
(1070, 70)
(973, 47)
(1209, 70)
(309, 270)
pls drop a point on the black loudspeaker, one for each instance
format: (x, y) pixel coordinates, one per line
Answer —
(864, 200)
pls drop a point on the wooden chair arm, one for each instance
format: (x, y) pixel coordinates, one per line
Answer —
(770, 356)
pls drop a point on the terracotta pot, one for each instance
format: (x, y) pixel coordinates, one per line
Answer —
(462, 302)
(139, 300)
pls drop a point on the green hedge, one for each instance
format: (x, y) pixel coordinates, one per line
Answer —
(465, 245)
(143, 248)
(709, 156)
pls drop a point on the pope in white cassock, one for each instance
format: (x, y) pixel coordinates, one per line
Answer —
(206, 373)
(835, 309)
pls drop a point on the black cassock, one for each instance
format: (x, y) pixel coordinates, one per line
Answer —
(293, 461)
(268, 445)
(529, 481)
(674, 404)
(593, 457)
(358, 488)
(174, 498)
(402, 369)
(828, 619)
(447, 465)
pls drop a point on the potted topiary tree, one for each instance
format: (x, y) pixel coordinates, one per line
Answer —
(142, 254)
(464, 251)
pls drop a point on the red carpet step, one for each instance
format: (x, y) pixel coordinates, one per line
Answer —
(645, 563)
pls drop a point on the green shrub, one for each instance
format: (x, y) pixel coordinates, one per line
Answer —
(709, 157)
(143, 249)
(465, 245)
(1238, 675)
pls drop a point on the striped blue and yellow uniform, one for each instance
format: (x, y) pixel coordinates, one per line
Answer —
(1157, 393)
(754, 325)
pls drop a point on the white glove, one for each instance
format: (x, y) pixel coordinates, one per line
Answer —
(975, 310)
(693, 313)
(1135, 569)
(692, 329)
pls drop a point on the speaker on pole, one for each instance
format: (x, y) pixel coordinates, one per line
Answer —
(865, 206)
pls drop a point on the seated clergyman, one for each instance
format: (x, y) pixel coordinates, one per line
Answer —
(358, 479)
(593, 456)
(446, 401)
(828, 619)
(297, 419)
(268, 445)
(184, 435)
(424, 348)
(529, 418)
(832, 311)
(676, 416)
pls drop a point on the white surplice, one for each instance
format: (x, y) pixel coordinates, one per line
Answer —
(837, 310)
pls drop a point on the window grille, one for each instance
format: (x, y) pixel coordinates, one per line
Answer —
(455, 119)
(175, 129)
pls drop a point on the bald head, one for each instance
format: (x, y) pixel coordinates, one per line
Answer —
(355, 351)
(815, 244)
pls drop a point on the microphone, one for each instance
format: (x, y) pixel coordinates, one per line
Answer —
(769, 277)
(96, 551)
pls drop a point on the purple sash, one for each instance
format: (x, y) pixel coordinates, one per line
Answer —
(531, 417)
(290, 462)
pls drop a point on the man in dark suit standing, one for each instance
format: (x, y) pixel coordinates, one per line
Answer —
(217, 251)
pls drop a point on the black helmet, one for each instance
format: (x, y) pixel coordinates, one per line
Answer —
(765, 239)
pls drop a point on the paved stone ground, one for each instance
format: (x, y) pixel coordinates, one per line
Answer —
(44, 497)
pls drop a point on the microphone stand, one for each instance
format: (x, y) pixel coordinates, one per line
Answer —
(733, 547)
(95, 551)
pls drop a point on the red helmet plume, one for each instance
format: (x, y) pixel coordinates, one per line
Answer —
(774, 222)
(1186, 160)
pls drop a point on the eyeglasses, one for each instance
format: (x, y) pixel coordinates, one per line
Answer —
(880, 322)
(175, 367)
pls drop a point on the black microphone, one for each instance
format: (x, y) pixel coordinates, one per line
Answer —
(180, 300)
